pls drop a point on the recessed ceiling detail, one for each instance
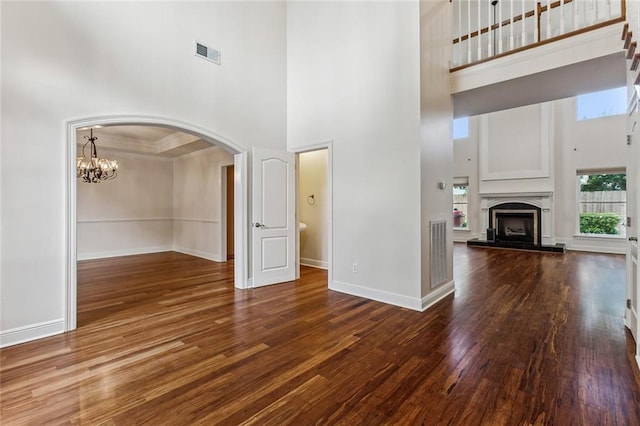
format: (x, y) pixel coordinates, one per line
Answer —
(150, 140)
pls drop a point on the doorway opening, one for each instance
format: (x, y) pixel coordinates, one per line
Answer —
(124, 206)
(228, 196)
(314, 210)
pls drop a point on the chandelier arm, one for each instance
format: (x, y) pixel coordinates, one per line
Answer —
(85, 144)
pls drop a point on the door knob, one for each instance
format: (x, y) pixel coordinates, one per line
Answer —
(259, 225)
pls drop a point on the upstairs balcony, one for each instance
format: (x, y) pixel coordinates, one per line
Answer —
(488, 29)
(510, 53)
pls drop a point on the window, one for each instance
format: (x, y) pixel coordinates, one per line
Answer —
(460, 202)
(461, 128)
(602, 202)
(601, 104)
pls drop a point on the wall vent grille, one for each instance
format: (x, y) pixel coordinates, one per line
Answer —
(207, 53)
(438, 252)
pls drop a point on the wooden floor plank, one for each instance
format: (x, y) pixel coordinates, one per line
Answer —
(528, 338)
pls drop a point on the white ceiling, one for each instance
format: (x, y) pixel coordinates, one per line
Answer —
(148, 140)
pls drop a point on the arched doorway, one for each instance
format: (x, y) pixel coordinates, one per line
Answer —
(240, 166)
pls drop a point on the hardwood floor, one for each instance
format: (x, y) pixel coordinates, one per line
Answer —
(164, 339)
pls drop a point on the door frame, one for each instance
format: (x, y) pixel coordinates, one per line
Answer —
(310, 148)
(240, 188)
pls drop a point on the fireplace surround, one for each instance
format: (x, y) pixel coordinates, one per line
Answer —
(518, 220)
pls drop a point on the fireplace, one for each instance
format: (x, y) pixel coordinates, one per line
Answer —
(522, 221)
(516, 223)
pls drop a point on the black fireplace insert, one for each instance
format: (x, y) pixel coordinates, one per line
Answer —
(517, 223)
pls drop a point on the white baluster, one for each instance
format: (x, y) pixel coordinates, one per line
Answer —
(499, 6)
(576, 16)
(479, 35)
(469, 31)
(511, 27)
(460, 50)
(561, 17)
(523, 42)
(548, 20)
(490, 32)
(536, 36)
(632, 15)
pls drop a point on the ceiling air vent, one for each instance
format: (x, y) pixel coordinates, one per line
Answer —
(207, 53)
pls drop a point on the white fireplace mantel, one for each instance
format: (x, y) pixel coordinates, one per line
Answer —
(542, 200)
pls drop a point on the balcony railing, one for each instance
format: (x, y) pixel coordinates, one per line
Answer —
(486, 29)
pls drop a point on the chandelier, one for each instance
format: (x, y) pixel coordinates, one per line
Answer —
(95, 169)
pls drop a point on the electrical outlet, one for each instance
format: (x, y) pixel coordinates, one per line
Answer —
(354, 267)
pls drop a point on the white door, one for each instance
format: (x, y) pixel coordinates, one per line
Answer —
(631, 318)
(273, 217)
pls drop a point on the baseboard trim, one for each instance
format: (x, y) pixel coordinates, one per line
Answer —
(571, 245)
(438, 294)
(197, 253)
(597, 250)
(321, 264)
(462, 236)
(125, 252)
(377, 295)
(31, 332)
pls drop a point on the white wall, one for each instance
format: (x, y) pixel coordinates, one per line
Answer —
(64, 61)
(436, 148)
(353, 78)
(313, 212)
(574, 145)
(128, 215)
(155, 204)
(515, 150)
(197, 207)
(588, 144)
